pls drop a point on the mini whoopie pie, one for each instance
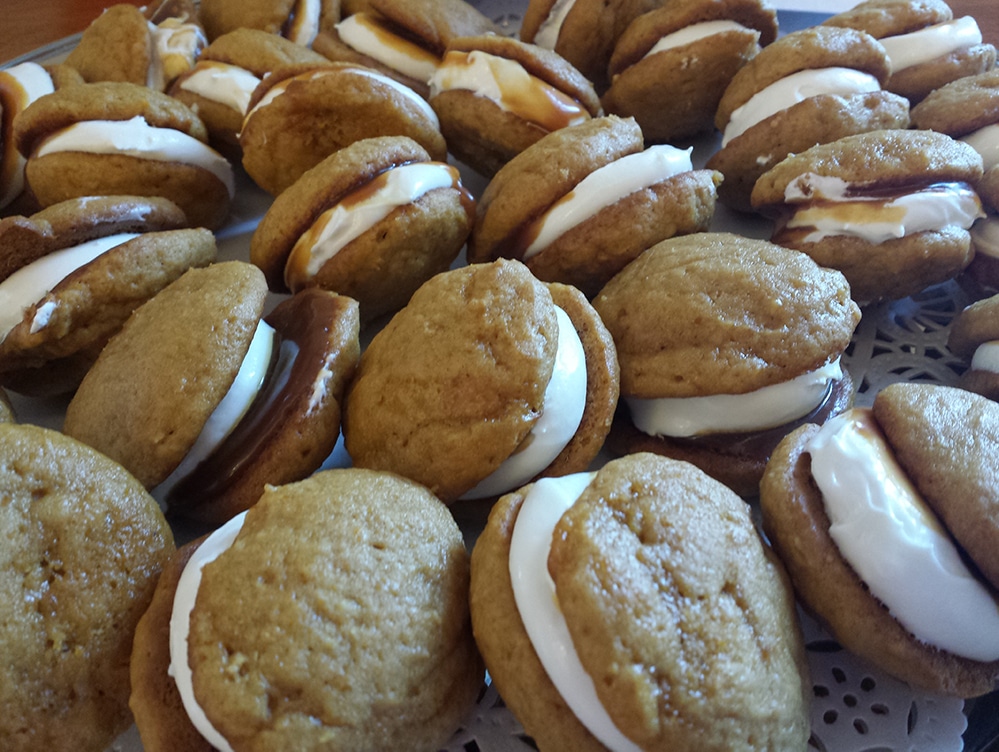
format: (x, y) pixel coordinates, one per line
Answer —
(117, 138)
(297, 20)
(582, 202)
(486, 379)
(974, 335)
(926, 45)
(887, 519)
(725, 344)
(372, 221)
(300, 114)
(671, 65)
(84, 545)
(637, 608)
(890, 209)
(495, 96)
(404, 39)
(342, 601)
(71, 274)
(808, 87)
(170, 396)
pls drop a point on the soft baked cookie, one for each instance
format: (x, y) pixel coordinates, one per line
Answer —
(974, 335)
(170, 396)
(124, 44)
(485, 380)
(404, 39)
(809, 87)
(495, 96)
(83, 548)
(582, 202)
(72, 273)
(300, 114)
(372, 221)
(725, 344)
(671, 65)
(651, 536)
(297, 20)
(900, 560)
(926, 45)
(968, 109)
(221, 83)
(116, 138)
(890, 209)
(342, 601)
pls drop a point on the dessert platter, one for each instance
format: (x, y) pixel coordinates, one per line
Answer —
(854, 706)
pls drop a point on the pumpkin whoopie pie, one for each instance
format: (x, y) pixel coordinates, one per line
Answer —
(372, 221)
(342, 601)
(926, 45)
(71, 274)
(887, 519)
(300, 114)
(671, 65)
(117, 138)
(486, 379)
(300, 21)
(561, 204)
(974, 335)
(206, 400)
(600, 602)
(495, 96)
(890, 209)
(725, 344)
(808, 87)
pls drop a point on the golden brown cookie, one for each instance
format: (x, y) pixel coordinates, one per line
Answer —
(495, 96)
(299, 115)
(973, 335)
(72, 273)
(372, 221)
(362, 574)
(148, 399)
(844, 204)
(114, 138)
(455, 383)
(679, 58)
(715, 318)
(518, 213)
(927, 428)
(653, 536)
(83, 548)
(298, 21)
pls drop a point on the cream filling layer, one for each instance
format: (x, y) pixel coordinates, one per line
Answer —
(175, 49)
(537, 603)
(24, 84)
(548, 31)
(564, 403)
(606, 186)
(695, 33)
(986, 357)
(767, 407)
(986, 142)
(797, 87)
(895, 544)
(136, 138)
(180, 626)
(304, 27)
(32, 282)
(229, 85)
(924, 45)
(349, 219)
(361, 32)
(985, 236)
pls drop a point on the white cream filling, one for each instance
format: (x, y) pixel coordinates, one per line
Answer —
(606, 186)
(180, 626)
(767, 407)
(348, 220)
(986, 357)
(924, 45)
(895, 544)
(797, 87)
(305, 24)
(361, 32)
(548, 31)
(564, 403)
(537, 603)
(175, 48)
(985, 236)
(695, 33)
(32, 282)
(136, 138)
(986, 142)
(231, 409)
(25, 83)
(226, 84)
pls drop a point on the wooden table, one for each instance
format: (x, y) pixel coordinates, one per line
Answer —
(27, 24)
